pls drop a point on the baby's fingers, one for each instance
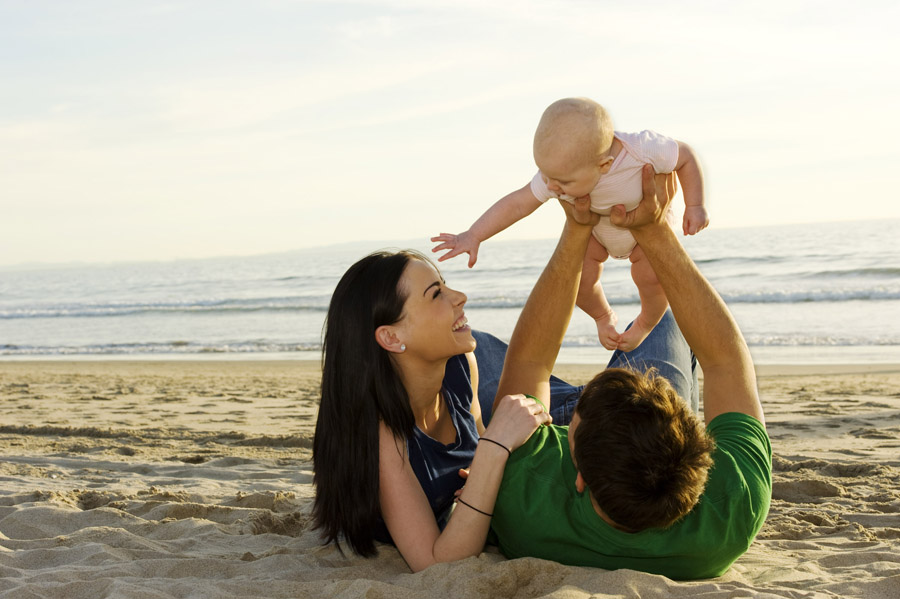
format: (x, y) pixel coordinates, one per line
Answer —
(453, 252)
(473, 257)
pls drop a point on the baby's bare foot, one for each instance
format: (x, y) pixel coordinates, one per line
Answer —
(635, 335)
(606, 330)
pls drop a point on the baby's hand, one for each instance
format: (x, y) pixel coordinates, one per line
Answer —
(695, 219)
(457, 244)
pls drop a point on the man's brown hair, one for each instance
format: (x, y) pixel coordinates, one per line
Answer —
(641, 451)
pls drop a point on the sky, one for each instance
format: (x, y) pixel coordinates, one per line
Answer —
(160, 130)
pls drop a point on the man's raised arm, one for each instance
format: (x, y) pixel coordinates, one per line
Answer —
(542, 324)
(729, 380)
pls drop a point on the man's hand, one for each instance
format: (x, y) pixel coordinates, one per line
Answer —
(578, 211)
(658, 193)
(465, 242)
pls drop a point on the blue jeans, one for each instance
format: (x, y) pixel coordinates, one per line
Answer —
(664, 349)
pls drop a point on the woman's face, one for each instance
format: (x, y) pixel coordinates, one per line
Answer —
(434, 324)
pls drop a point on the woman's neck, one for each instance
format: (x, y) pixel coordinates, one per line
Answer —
(423, 386)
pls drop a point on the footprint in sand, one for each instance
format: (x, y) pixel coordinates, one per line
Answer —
(806, 491)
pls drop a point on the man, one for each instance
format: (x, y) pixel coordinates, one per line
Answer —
(635, 481)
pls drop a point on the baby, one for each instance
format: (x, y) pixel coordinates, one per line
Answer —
(578, 154)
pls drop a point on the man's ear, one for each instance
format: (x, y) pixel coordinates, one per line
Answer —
(605, 164)
(580, 485)
(386, 337)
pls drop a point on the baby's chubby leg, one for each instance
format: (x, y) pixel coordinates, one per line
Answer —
(653, 301)
(591, 298)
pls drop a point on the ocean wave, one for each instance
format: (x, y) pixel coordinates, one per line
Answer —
(768, 260)
(769, 340)
(181, 349)
(878, 271)
(797, 296)
(755, 296)
(171, 348)
(319, 304)
(515, 302)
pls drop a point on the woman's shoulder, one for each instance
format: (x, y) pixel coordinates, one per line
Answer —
(458, 383)
(392, 450)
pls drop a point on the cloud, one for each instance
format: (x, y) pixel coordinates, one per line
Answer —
(380, 27)
(190, 116)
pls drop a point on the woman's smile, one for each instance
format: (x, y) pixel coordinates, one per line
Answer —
(462, 324)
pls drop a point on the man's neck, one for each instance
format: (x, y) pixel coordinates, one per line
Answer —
(603, 515)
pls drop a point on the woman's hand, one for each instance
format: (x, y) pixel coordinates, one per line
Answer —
(514, 419)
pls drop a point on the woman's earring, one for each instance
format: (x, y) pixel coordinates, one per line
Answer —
(402, 347)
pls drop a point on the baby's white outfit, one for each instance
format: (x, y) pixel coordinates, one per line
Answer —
(622, 185)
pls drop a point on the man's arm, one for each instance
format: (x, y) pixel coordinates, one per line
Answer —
(542, 324)
(729, 380)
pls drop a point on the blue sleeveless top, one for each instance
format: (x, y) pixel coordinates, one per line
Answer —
(437, 465)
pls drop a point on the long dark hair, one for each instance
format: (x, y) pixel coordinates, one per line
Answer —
(359, 388)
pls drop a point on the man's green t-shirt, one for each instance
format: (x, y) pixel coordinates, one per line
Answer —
(539, 513)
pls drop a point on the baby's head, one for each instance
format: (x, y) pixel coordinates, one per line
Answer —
(571, 145)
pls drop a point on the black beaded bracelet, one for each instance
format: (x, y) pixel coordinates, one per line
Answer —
(498, 445)
(472, 507)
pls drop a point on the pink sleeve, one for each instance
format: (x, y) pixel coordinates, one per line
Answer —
(540, 189)
(653, 148)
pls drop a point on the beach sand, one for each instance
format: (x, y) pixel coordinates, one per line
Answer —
(193, 479)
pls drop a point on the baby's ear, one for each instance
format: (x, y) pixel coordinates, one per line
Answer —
(605, 165)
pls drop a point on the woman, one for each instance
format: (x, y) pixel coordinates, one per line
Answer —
(399, 417)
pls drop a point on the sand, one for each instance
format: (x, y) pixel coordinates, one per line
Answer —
(193, 479)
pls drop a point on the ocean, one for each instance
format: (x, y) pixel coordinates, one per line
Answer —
(802, 294)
